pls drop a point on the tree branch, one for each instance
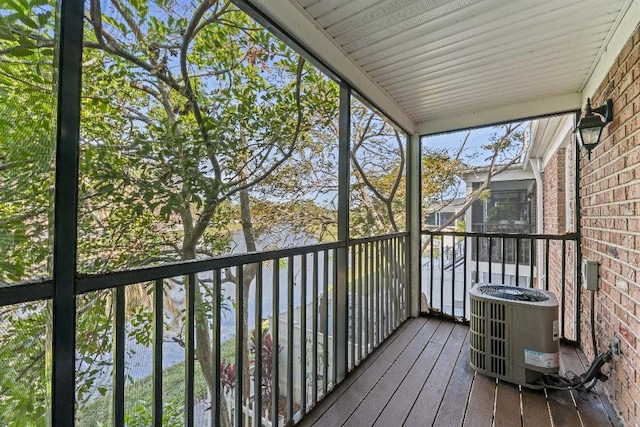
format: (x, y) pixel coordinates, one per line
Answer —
(147, 89)
(493, 171)
(107, 43)
(129, 20)
(189, 93)
(286, 154)
(357, 165)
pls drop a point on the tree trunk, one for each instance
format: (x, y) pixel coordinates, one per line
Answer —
(248, 276)
(203, 348)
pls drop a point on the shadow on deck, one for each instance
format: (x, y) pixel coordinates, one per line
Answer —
(420, 376)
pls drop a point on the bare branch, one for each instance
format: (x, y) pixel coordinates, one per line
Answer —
(493, 170)
(147, 89)
(137, 32)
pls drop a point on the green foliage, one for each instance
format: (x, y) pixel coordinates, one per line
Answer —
(26, 143)
(138, 409)
(170, 160)
(138, 402)
(439, 171)
(23, 380)
(505, 211)
(174, 125)
(505, 143)
(141, 414)
(92, 343)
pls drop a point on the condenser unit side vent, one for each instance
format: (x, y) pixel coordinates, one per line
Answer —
(498, 339)
(478, 337)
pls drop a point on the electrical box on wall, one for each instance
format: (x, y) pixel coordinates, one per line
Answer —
(590, 274)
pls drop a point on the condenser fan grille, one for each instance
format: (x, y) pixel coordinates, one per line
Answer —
(512, 293)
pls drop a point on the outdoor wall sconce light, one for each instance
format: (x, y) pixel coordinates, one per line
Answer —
(591, 124)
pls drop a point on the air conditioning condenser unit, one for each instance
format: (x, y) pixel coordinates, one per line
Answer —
(514, 333)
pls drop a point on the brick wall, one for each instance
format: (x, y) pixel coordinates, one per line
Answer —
(553, 190)
(554, 214)
(610, 221)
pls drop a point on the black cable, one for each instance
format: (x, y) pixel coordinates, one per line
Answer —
(593, 323)
(587, 380)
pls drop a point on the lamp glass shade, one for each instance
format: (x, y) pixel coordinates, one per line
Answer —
(590, 136)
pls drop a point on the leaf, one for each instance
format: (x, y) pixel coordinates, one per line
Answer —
(44, 18)
(20, 8)
(36, 3)
(20, 51)
(165, 211)
(30, 22)
(107, 188)
(6, 34)
(11, 18)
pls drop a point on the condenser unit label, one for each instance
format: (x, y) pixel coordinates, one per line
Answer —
(542, 360)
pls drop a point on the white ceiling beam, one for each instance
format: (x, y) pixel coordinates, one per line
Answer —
(298, 24)
(502, 114)
(628, 20)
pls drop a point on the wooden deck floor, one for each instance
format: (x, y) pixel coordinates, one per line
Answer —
(421, 376)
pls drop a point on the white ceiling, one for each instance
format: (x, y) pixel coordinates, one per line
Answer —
(440, 65)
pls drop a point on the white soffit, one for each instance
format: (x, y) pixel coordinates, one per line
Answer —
(623, 29)
(454, 64)
(297, 23)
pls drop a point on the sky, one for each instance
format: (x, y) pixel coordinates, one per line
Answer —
(453, 140)
(473, 154)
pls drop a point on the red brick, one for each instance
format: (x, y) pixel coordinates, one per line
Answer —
(610, 216)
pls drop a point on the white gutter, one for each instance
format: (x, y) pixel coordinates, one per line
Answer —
(537, 173)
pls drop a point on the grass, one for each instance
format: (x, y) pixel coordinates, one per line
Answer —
(138, 394)
(98, 411)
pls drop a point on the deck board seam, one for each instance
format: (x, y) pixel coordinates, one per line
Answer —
(348, 386)
(427, 377)
(466, 403)
(521, 406)
(409, 370)
(411, 367)
(601, 396)
(466, 406)
(495, 404)
(426, 381)
(584, 407)
(390, 366)
(434, 381)
(462, 345)
(546, 397)
(575, 405)
(361, 368)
